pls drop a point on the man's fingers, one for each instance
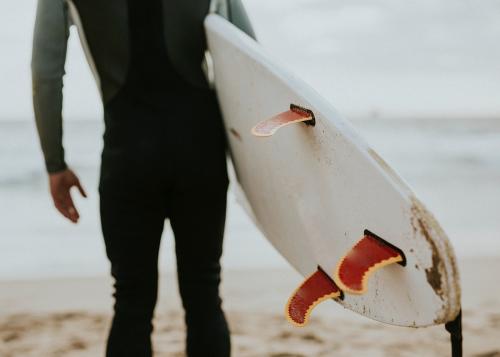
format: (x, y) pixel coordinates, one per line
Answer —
(62, 209)
(65, 205)
(80, 188)
(60, 189)
(73, 214)
(71, 209)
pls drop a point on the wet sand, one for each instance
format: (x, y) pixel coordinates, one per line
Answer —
(70, 317)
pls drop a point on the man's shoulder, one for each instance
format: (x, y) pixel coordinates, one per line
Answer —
(235, 12)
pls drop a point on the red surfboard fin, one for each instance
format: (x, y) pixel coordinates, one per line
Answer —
(296, 114)
(370, 254)
(315, 289)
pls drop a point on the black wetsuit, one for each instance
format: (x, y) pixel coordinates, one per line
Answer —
(163, 158)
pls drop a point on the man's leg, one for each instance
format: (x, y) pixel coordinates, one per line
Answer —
(132, 226)
(197, 216)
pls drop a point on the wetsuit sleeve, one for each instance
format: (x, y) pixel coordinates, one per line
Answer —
(238, 16)
(47, 67)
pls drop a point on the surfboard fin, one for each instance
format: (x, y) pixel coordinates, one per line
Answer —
(315, 289)
(370, 254)
(296, 114)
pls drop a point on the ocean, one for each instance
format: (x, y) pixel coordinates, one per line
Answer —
(453, 165)
(420, 81)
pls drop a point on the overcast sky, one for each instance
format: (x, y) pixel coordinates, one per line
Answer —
(432, 58)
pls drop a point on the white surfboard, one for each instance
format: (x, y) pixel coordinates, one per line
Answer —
(314, 190)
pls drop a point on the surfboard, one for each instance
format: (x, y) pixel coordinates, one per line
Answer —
(324, 199)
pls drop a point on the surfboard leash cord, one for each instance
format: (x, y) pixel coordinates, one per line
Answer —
(454, 327)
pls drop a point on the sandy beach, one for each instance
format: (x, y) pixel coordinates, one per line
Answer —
(69, 317)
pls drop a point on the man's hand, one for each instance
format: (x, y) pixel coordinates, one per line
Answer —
(60, 186)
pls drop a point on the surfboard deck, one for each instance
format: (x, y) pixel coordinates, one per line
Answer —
(314, 190)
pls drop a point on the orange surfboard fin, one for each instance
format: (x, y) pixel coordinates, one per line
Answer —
(370, 254)
(315, 289)
(296, 114)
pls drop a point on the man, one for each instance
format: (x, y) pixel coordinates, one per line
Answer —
(163, 157)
